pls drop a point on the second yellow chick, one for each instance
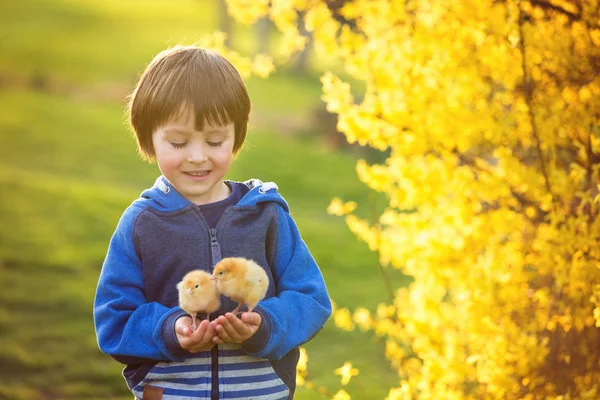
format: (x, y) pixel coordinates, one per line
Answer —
(198, 293)
(241, 280)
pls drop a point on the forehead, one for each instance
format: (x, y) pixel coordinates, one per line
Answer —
(186, 119)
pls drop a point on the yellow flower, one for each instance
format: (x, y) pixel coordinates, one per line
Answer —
(398, 394)
(341, 395)
(303, 360)
(346, 371)
(262, 65)
(343, 320)
(362, 317)
(247, 11)
(339, 208)
(489, 197)
(300, 379)
(336, 93)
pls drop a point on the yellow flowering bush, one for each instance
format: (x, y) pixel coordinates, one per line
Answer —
(346, 371)
(490, 113)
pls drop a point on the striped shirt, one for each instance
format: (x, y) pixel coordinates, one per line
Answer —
(239, 377)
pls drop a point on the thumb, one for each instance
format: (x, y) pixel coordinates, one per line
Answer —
(251, 318)
(182, 330)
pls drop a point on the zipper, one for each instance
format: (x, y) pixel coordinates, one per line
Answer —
(215, 254)
(214, 378)
(215, 249)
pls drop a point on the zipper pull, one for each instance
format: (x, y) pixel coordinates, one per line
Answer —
(215, 249)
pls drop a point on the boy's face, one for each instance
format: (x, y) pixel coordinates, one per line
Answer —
(195, 162)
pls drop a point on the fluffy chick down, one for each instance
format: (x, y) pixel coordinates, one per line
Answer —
(241, 280)
(198, 293)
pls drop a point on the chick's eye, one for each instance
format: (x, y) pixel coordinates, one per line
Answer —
(197, 286)
(215, 144)
(221, 273)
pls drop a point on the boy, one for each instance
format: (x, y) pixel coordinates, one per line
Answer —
(189, 113)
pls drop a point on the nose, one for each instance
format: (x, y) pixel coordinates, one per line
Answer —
(197, 153)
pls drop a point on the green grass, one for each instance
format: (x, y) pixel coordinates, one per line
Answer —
(116, 39)
(68, 169)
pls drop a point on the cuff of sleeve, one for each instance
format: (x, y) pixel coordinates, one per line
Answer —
(170, 337)
(260, 339)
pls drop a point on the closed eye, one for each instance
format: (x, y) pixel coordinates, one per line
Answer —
(178, 145)
(215, 144)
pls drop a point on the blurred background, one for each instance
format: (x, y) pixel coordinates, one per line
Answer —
(69, 167)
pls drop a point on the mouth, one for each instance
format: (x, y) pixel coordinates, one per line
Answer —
(197, 174)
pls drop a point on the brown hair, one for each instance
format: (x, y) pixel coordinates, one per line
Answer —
(188, 75)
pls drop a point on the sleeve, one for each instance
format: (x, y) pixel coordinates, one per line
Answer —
(129, 328)
(302, 305)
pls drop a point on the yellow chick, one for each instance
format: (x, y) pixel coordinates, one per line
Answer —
(242, 280)
(198, 293)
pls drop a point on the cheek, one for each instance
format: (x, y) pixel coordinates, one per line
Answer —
(167, 159)
(224, 159)
(224, 155)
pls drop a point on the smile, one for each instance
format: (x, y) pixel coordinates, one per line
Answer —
(200, 173)
(197, 175)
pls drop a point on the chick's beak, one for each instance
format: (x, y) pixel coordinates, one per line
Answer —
(213, 278)
(189, 291)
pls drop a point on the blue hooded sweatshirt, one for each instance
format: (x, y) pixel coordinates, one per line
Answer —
(160, 238)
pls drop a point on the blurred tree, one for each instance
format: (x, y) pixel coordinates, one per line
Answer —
(224, 22)
(490, 111)
(302, 59)
(263, 27)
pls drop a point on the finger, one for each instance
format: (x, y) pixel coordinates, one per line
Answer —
(234, 320)
(219, 321)
(182, 330)
(241, 329)
(235, 328)
(183, 326)
(208, 334)
(199, 332)
(185, 343)
(252, 318)
(222, 333)
(217, 340)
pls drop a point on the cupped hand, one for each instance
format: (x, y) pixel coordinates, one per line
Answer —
(229, 328)
(194, 341)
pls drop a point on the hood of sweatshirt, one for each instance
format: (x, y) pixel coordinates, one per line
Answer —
(162, 196)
